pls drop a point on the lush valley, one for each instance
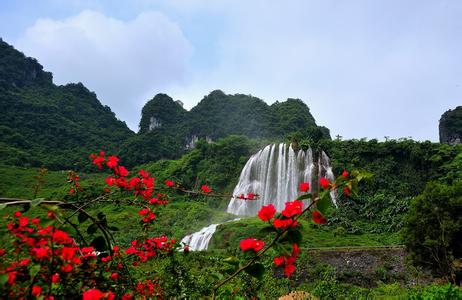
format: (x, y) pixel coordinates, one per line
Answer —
(414, 197)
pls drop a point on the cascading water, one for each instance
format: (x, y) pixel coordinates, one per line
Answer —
(199, 241)
(275, 173)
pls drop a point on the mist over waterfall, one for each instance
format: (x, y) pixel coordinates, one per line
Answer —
(274, 173)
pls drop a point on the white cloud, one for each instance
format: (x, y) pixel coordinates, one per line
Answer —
(122, 61)
(365, 69)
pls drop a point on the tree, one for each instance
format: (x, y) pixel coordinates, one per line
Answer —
(433, 228)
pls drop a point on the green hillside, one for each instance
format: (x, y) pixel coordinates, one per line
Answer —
(167, 130)
(45, 124)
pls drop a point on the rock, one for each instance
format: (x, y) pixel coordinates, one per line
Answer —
(450, 127)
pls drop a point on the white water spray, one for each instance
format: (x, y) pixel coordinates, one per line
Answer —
(199, 241)
(274, 173)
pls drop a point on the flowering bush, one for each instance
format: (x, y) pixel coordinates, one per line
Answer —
(43, 260)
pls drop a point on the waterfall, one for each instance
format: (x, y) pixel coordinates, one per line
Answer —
(274, 173)
(199, 241)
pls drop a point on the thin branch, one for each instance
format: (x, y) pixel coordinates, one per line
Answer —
(259, 254)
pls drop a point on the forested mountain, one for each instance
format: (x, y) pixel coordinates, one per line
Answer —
(167, 130)
(451, 126)
(50, 125)
(58, 126)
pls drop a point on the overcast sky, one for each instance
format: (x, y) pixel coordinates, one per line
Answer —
(365, 68)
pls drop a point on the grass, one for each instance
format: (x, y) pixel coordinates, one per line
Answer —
(18, 182)
(229, 234)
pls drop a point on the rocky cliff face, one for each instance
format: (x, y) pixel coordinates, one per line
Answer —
(450, 127)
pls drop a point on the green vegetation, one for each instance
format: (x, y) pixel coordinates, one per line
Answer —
(401, 170)
(216, 116)
(434, 226)
(47, 125)
(229, 234)
(20, 182)
(217, 164)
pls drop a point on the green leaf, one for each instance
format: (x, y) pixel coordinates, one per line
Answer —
(36, 202)
(99, 243)
(82, 217)
(293, 236)
(113, 228)
(232, 260)
(283, 248)
(34, 270)
(3, 205)
(101, 216)
(25, 208)
(324, 204)
(256, 270)
(305, 196)
(268, 229)
(3, 279)
(92, 228)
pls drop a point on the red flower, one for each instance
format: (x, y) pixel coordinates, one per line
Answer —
(112, 162)
(345, 173)
(206, 189)
(12, 277)
(267, 212)
(251, 244)
(347, 191)
(250, 196)
(169, 183)
(66, 268)
(110, 180)
(17, 214)
(143, 174)
(304, 187)
(24, 262)
(292, 208)
(41, 252)
(289, 269)
(295, 250)
(36, 291)
(325, 183)
(318, 218)
(115, 276)
(55, 278)
(279, 260)
(68, 253)
(93, 294)
(2, 252)
(122, 171)
(23, 221)
(134, 182)
(61, 237)
(280, 223)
